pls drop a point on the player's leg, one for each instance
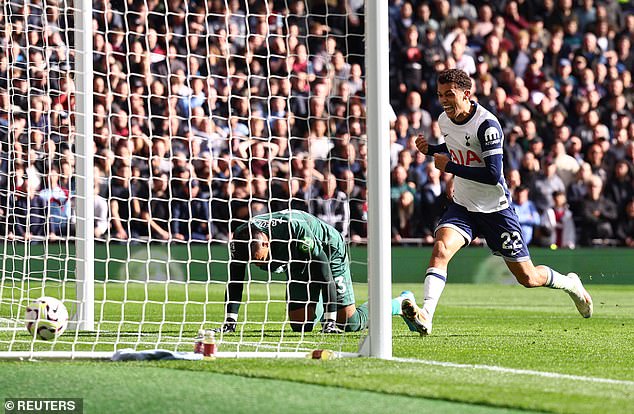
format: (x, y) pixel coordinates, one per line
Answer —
(349, 317)
(353, 318)
(302, 297)
(448, 240)
(302, 316)
(503, 234)
(529, 275)
(397, 301)
(397, 307)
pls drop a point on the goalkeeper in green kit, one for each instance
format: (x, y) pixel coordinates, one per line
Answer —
(314, 257)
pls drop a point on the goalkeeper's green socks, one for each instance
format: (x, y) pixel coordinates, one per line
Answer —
(359, 320)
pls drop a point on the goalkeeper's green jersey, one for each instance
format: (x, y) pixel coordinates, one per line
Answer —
(296, 237)
(304, 247)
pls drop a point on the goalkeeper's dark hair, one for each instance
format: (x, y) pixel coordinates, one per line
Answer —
(457, 76)
(247, 242)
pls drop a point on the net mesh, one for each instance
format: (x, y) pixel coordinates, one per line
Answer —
(205, 115)
(36, 158)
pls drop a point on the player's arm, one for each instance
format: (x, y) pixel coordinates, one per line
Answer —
(490, 137)
(233, 294)
(423, 146)
(490, 174)
(320, 272)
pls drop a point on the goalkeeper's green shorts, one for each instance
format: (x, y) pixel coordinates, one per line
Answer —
(301, 290)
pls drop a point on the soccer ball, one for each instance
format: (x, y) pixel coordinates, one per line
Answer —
(46, 318)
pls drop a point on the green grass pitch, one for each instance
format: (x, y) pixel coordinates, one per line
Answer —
(495, 349)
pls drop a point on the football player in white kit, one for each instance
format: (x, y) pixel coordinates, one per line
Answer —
(472, 152)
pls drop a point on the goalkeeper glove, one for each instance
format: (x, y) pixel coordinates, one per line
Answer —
(228, 327)
(329, 326)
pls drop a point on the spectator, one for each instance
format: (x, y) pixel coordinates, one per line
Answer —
(57, 201)
(158, 100)
(625, 226)
(545, 185)
(402, 130)
(359, 214)
(597, 214)
(402, 196)
(513, 180)
(411, 56)
(463, 60)
(419, 120)
(29, 213)
(514, 21)
(483, 25)
(578, 189)
(258, 195)
(120, 205)
(557, 224)
(574, 148)
(190, 214)
(432, 202)
(423, 20)
(287, 195)
(405, 160)
(620, 188)
(101, 212)
(462, 8)
(618, 149)
(319, 144)
(433, 50)
(526, 212)
(594, 157)
(395, 149)
(567, 166)
(529, 169)
(344, 158)
(257, 155)
(332, 205)
(157, 211)
(536, 146)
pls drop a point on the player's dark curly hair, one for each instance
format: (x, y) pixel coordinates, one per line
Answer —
(457, 76)
(247, 242)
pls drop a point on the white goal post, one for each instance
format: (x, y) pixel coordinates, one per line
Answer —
(137, 135)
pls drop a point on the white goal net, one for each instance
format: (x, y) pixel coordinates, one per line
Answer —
(204, 114)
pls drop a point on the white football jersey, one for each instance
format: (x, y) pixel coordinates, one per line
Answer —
(469, 143)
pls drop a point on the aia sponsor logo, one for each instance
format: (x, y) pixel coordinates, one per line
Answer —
(465, 157)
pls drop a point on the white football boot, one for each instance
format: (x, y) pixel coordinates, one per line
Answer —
(414, 315)
(580, 296)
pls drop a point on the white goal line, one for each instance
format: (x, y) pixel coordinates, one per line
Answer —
(495, 368)
(97, 355)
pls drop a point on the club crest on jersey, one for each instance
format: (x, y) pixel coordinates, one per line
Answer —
(306, 244)
(467, 138)
(465, 158)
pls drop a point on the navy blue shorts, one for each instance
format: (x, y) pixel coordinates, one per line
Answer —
(501, 230)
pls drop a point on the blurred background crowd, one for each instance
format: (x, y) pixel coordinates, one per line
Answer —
(209, 112)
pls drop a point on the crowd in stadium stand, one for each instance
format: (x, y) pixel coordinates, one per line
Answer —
(206, 115)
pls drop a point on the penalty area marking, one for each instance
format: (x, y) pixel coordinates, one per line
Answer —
(494, 368)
